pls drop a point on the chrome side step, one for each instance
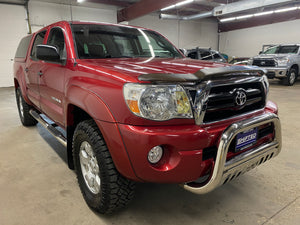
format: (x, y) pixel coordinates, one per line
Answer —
(58, 135)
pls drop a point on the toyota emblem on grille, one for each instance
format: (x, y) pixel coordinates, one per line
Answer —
(262, 63)
(240, 97)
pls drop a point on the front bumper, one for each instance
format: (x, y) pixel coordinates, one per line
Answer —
(225, 171)
(275, 72)
(187, 148)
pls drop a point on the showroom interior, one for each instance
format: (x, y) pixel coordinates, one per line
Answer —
(36, 185)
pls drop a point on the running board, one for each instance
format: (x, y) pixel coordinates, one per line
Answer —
(58, 135)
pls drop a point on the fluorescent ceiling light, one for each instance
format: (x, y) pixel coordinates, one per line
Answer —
(244, 17)
(263, 13)
(80, 1)
(286, 9)
(177, 5)
(259, 14)
(236, 18)
(227, 19)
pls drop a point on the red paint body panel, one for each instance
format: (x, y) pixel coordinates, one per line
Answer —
(107, 77)
(183, 145)
(96, 87)
(114, 142)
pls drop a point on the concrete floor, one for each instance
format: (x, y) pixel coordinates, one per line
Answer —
(36, 186)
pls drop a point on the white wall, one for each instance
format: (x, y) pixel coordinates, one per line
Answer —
(92, 14)
(248, 42)
(42, 14)
(14, 26)
(183, 34)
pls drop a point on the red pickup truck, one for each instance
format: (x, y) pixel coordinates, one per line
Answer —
(134, 109)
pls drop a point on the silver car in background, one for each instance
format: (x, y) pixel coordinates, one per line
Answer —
(280, 61)
(205, 54)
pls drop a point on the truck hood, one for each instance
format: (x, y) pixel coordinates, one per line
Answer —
(128, 68)
(272, 56)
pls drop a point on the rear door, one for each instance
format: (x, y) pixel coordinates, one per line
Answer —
(32, 70)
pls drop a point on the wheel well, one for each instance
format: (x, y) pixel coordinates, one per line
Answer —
(74, 116)
(295, 67)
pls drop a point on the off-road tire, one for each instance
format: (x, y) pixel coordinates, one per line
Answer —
(26, 119)
(291, 77)
(115, 190)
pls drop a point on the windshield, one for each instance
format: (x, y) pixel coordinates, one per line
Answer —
(283, 49)
(105, 41)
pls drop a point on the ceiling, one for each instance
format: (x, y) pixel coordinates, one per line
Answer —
(196, 9)
(131, 9)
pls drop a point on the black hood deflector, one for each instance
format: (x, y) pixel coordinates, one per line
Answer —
(203, 74)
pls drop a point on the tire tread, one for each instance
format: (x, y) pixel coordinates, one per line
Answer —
(117, 191)
(27, 119)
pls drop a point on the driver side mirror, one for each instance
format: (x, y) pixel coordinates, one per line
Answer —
(260, 52)
(47, 53)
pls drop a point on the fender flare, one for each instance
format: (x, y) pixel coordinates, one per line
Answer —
(88, 101)
(91, 103)
(19, 81)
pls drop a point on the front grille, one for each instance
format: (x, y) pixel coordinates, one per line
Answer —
(222, 102)
(264, 62)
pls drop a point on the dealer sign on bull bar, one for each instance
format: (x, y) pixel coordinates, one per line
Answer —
(246, 138)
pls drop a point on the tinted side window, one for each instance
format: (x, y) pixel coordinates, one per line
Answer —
(192, 55)
(205, 55)
(271, 50)
(23, 47)
(39, 38)
(216, 55)
(56, 39)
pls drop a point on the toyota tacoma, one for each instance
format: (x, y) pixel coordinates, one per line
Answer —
(129, 107)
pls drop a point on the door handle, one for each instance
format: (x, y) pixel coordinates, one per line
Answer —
(40, 73)
(26, 69)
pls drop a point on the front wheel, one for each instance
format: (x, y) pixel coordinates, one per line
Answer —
(104, 189)
(291, 77)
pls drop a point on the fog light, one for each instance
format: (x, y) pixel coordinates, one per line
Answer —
(155, 154)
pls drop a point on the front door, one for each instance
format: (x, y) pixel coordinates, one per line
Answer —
(52, 77)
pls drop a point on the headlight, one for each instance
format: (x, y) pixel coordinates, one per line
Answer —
(157, 102)
(282, 61)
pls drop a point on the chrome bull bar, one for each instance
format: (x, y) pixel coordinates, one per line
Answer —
(225, 171)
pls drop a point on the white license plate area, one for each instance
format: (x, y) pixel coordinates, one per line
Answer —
(245, 139)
